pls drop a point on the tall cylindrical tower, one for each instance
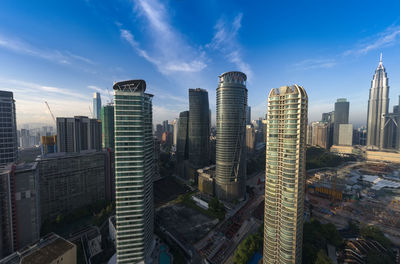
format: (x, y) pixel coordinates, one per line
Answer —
(231, 136)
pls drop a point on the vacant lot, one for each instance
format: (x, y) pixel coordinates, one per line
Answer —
(168, 189)
(186, 224)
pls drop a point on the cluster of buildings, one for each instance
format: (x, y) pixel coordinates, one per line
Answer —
(72, 171)
(381, 133)
(114, 156)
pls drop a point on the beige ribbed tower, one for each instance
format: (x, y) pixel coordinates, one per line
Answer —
(285, 174)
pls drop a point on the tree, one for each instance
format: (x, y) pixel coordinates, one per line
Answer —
(373, 232)
(59, 218)
(247, 248)
(217, 208)
(322, 258)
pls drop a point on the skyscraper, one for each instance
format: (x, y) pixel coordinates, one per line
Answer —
(78, 133)
(8, 133)
(329, 118)
(182, 143)
(378, 107)
(341, 117)
(134, 171)
(96, 105)
(231, 136)
(285, 175)
(165, 126)
(175, 123)
(199, 127)
(320, 134)
(250, 139)
(248, 115)
(107, 125)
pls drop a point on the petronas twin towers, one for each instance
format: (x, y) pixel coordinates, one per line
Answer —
(378, 108)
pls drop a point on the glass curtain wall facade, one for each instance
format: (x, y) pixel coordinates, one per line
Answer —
(96, 105)
(231, 136)
(134, 171)
(8, 128)
(285, 175)
(378, 107)
(199, 127)
(341, 117)
(107, 123)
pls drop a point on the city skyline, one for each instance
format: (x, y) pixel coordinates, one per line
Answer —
(66, 71)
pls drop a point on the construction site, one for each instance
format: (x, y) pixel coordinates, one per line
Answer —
(364, 192)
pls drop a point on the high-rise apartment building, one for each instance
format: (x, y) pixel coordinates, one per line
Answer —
(75, 134)
(199, 128)
(96, 106)
(345, 135)
(378, 107)
(285, 175)
(134, 170)
(341, 117)
(231, 135)
(8, 131)
(250, 138)
(107, 125)
(320, 134)
(175, 124)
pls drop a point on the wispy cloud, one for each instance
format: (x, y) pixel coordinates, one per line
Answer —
(30, 97)
(388, 37)
(315, 64)
(57, 56)
(169, 53)
(23, 86)
(225, 41)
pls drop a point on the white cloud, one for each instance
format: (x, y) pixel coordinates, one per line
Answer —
(30, 98)
(388, 37)
(169, 52)
(225, 41)
(315, 64)
(57, 56)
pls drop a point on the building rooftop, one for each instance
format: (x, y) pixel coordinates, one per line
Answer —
(53, 250)
(46, 250)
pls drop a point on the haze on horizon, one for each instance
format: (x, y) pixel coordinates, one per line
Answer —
(62, 52)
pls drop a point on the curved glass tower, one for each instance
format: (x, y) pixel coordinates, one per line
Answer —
(134, 171)
(230, 175)
(378, 107)
(285, 175)
(199, 127)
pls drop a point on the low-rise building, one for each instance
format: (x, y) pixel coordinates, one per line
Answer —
(388, 156)
(51, 249)
(206, 180)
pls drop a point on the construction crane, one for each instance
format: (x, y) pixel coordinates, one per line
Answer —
(90, 109)
(48, 107)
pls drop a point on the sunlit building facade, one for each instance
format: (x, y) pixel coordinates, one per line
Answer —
(285, 175)
(231, 136)
(134, 169)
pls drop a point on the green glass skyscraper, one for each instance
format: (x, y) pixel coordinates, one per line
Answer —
(134, 170)
(107, 125)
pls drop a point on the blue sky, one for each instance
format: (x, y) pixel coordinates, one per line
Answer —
(63, 51)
